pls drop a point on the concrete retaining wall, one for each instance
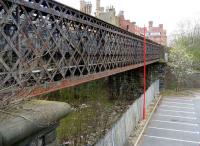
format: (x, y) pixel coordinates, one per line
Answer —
(120, 132)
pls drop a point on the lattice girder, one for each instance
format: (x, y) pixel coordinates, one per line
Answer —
(42, 42)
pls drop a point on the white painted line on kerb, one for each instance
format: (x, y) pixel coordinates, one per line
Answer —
(191, 108)
(183, 117)
(192, 132)
(180, 123)
(175, 99)
(178, 103)
(175, 111)
(172, 139)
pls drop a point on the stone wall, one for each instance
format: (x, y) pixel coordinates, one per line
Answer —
(45, 137)
(109, 16)
(120, 131)
(193, 81)
(33, 123)
(190, 81)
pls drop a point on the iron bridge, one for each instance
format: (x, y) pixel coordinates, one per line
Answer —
(46, 46)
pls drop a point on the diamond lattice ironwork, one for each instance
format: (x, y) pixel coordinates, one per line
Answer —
(43, 42)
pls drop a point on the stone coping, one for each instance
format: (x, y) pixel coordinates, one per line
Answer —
(28, 118)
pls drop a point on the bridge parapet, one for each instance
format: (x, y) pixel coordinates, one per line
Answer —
(32, 123)
(43, 42)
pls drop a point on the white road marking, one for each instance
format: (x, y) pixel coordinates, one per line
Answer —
(175, 99)
(175, 111)
(191, 108)
(184, 117)
(178, 103)
(181, 123)
(172, 139)
(174, 130)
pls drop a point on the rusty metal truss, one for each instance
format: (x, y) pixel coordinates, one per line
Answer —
(45, 45)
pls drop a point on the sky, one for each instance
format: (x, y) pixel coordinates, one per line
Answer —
(168, 12)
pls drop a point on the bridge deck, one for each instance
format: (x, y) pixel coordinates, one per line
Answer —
(83, 79)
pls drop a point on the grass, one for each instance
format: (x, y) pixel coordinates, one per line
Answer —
(94, 113)
(97, 106)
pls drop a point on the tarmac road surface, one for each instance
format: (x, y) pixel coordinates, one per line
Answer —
(176, 122)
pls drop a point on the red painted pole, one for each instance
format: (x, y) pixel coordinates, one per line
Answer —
(144, 103)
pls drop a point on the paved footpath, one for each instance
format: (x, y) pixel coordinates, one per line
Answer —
(176, 122)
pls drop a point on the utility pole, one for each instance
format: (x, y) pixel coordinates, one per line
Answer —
(144, 52)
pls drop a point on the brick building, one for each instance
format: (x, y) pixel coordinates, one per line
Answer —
(86, 7)
(157, 34)
(127, 24)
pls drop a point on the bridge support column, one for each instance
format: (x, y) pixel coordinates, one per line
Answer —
(125, 85)
(161, 67)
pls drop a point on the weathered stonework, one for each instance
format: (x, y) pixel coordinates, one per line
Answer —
(32, 123)
(162, 75)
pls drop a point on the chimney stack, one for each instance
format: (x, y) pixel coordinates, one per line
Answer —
(150, 23)
(97, 8)
(82, 5)
(86, 7)
(161, 26)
